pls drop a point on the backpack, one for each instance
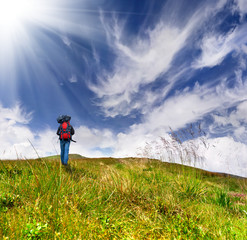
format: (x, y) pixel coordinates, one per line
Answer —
(65, 131)
(65, 128)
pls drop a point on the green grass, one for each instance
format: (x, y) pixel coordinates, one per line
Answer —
(55, 157)
(111, 198)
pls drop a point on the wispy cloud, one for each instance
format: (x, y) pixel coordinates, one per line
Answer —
(244, 48)
(234, 122)
(73, 79)
(96, 55)
(142, 60)
(138, 64)
(242, 6)
(66, 41)
(15, 115)
(215, 47)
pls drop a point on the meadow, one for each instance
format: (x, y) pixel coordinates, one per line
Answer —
(108, 198)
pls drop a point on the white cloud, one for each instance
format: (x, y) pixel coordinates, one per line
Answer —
(215, 47)
(13, 130)
(96, 55)
(235, 121)
(90, 139)
(138, 64)
(19, 138)
(21, 142)
(190, 106)
(244, 48)
(240, 115)
(147, 56)
(73, 79)
(66, 41)
(15, 115)
(239, 132)
(242, 6)
(227, 156)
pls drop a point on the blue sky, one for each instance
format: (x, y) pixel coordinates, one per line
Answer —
(127, 72)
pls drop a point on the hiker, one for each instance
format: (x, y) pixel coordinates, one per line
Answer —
(65, 132)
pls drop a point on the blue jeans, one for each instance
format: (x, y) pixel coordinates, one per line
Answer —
(64, 145)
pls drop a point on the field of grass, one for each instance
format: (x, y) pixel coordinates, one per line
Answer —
(118, 199)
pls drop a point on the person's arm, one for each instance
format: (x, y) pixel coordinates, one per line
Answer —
(72, 130)
(58, 131)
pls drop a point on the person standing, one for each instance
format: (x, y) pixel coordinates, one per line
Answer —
(65, 132)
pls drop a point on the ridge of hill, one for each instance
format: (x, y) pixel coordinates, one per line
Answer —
(78, 156)
(55, 157)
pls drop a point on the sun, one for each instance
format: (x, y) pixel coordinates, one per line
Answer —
(14, 12)
(24, 22)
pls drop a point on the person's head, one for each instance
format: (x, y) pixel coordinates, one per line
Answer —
(63, 118)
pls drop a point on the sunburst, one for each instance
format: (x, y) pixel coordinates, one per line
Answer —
(13, 13)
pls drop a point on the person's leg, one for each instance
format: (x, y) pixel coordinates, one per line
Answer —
(66, 152)
(62, 146)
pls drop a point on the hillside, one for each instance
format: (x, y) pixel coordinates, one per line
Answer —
(108, 198)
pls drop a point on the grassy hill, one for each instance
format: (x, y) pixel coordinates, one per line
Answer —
(109, 198)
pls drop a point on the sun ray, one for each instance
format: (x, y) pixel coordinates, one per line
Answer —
(22, 22)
